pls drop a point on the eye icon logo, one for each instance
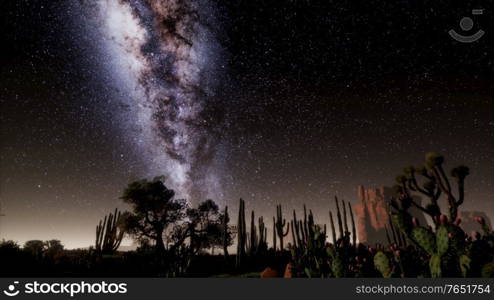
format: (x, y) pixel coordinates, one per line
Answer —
(466, 24)
(11, 291)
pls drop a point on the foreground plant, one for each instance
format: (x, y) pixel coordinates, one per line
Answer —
(446, 247)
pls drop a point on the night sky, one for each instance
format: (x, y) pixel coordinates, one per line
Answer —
(287, 102)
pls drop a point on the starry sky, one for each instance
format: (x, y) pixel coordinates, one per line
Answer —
(277, 102)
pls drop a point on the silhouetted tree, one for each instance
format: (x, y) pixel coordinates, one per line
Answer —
(204, 226)
(35, 248)
(227, 233)
(54, 245)
(53, 250)
(8, 248)
(12, 257)
(154, 209)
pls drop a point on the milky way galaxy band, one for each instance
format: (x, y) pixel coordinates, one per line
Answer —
(169, 51)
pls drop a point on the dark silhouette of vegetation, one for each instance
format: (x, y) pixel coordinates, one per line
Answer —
(205, 227)
(256, 244)
(178, 240)
(154, 210)
(447, 249)
(226, 232)
(434, 183)
(35, 247)
(241, 234)
(279, 225)
(110, 232)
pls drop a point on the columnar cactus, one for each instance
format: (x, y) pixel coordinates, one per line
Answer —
(280, 225)
(295, 239)
(303, 231)
(225, 231)
(109, 233)
(253, 243)
(342, 251)
(312, 256)
(354, 229)
(396, 236)
(263, 233)
(274, 234)
(241, 234)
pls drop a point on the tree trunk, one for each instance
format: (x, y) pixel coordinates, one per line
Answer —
(160, 245)
(225, 250)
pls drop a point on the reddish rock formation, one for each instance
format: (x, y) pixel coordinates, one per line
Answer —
(372, 214)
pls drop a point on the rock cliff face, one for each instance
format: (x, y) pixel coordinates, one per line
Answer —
(372, 214)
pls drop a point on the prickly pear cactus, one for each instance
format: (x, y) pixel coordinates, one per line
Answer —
(465, 265)
(403, 220)
(383, 264)
(435, 266)
(442, 240)
(456, 238)
(338, 267)
(488, 270)
(425, 238)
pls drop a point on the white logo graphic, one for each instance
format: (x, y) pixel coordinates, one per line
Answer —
(466, 24)
(11, 291)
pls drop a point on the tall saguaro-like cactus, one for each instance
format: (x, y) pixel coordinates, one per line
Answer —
(263, 233)
(253, 241)
(304, 231)
(109, 233)
(280, 225)
(342, 220)
(354, 230)
(341, 250)
(241, 234)
(224, 226)
(274, 233)
(256, 244)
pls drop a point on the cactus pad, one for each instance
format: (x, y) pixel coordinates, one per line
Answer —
(425, 239)
(382, 264)
(435, 266)
(338, 267)
(465, 265)
(442, 240)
